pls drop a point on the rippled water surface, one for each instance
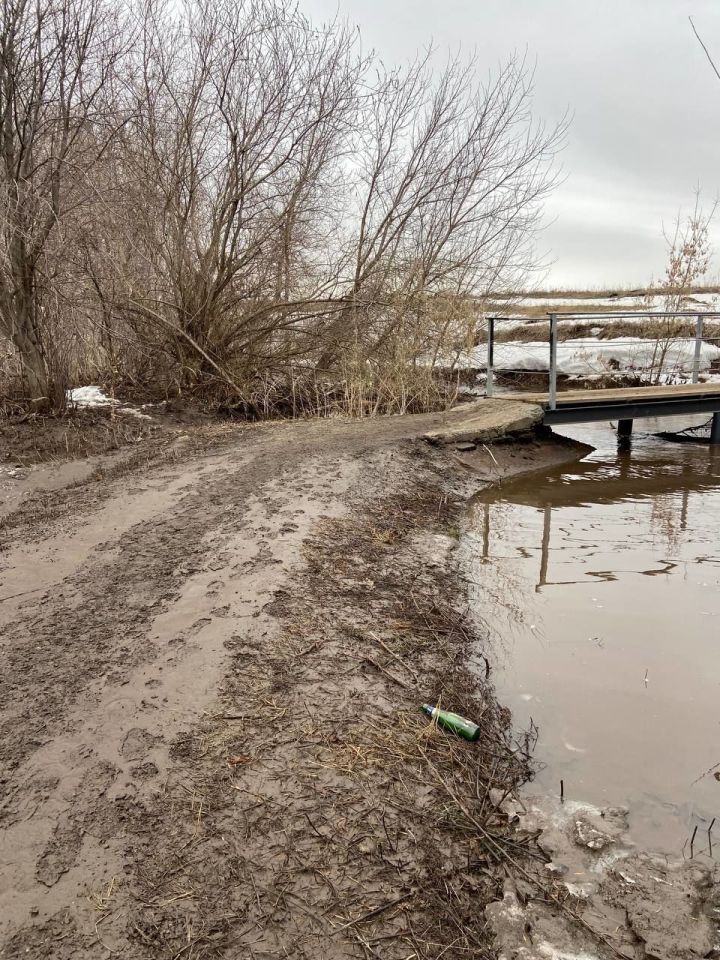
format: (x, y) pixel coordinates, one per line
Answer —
(599, 582)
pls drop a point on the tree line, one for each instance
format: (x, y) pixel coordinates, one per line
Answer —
(225, 200)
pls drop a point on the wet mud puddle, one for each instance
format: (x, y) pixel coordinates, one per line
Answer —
(599, 584)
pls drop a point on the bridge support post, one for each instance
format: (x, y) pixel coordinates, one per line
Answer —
(698, 349)
(552, 368)
(625, 428)
(489, 385)
(715, 428)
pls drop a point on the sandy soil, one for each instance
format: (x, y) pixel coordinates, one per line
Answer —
(213, 656)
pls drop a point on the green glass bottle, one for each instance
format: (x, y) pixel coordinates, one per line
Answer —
(453, 721)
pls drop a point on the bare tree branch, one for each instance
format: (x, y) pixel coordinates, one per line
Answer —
(707, 52)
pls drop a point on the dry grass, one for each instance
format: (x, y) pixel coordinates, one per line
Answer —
(531, 311)
(357, 390)
(523, 305)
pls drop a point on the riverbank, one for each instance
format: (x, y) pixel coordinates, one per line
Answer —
(214, 655)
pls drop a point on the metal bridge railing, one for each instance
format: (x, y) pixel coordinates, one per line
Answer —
(553, 342)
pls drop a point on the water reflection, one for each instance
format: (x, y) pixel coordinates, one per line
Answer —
(600, 582)
(598, 483)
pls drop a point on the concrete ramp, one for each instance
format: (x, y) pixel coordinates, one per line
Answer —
(483, 421)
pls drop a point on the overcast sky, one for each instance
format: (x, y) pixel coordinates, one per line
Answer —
(645, 108)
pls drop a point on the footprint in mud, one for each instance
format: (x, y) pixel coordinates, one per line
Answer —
(246, 647)
(263, 555)
(65, 845)
(60, 854)
(117, 712)
(221, 611)
(137, 744)
(214, 587)
(186, 746)
(144, 771)
(22, 802)
(198, 626)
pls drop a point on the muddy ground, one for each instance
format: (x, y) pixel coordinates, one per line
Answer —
(214, 649)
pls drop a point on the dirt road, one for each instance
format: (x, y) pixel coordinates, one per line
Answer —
(213, 655)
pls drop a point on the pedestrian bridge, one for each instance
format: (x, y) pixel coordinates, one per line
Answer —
(627, 404)
(623, 404)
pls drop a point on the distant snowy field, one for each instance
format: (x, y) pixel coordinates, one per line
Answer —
(588, 355)
(704, 301)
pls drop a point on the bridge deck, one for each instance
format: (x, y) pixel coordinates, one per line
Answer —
(579, 406)
(620, 394)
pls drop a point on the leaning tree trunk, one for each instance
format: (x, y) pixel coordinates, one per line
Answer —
(19, 323)
(34, 369)
(26, 339)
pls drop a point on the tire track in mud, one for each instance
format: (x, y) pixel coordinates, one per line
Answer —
(92, 625)
(104, 673)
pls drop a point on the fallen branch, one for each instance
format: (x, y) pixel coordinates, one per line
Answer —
(376, 912)
(387, 673)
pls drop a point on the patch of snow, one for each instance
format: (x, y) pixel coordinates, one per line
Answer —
(92, 396)
(625, 877)
(512, 323)
(607, 860)
(134, 412)
(583, 891)
(546, 949)
(589, 356)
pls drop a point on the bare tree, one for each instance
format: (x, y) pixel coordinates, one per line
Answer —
(704, 47)
(689, 254)
(447, 186)
(56, 63)
(287, 198)
(240, 118)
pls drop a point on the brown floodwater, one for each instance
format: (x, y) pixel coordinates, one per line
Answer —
(599, 583)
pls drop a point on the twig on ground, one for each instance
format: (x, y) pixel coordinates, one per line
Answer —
(394, 655)
(387, 673)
